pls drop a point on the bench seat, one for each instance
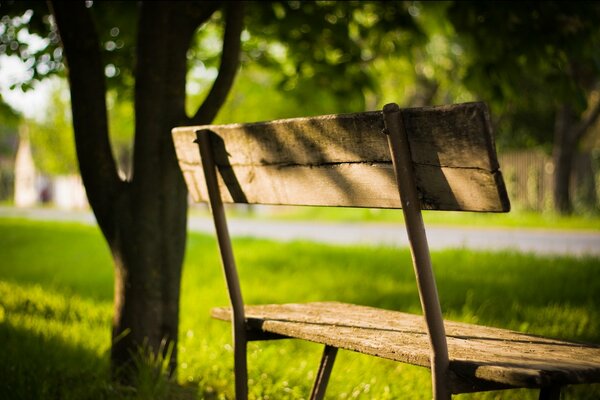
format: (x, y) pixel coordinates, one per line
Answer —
(482, 358)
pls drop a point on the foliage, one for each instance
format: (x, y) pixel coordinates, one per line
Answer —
(417, 62)
(327, 57)
(121, 127)
(321, 47)
(529, 57)
(28, 32)
(316, 58)
(306, 58)
(329, 46)
(55, 306)
(290, 52)
(430, 72)
(52, 142)
(116, 23)
(152, 371)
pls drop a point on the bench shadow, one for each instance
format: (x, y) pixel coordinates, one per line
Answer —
(332, 142)
(225, 169)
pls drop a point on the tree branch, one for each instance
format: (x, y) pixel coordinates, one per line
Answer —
(230, 59)
(88, 104)
(584, 125)
(200, 12)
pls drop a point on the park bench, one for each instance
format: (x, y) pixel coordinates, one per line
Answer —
(433, 158)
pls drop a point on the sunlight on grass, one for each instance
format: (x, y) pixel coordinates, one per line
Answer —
(515, 219)
(55, 313)
(70, 318)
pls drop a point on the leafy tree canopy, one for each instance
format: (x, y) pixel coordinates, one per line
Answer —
(528, 57)
(298, 58)
(308, 47)
(28, 32)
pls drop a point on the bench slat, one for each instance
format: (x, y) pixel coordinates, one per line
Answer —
(486, 358)
(344, 160)
(351, 185)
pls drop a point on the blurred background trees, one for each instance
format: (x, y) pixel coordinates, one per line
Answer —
(536, 64)
(9, 123)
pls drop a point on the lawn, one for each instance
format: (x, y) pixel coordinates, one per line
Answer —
(517, 219)
(56, 299)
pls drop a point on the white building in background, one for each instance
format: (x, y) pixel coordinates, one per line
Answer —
(68, 192)
(31, 188)
(26, 191)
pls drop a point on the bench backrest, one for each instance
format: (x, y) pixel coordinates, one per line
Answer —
(344, 160)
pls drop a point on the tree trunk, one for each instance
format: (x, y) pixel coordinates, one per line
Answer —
(148, 254)
(144, 219)
(150, 244)
(569, 129)
(562, 155)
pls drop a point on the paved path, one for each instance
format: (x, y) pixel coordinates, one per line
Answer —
(526, 240)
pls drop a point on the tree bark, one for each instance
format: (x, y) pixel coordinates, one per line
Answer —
(144, 219)
(88, 105)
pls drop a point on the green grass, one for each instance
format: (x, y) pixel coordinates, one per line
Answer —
(515, 219)
(56, 295)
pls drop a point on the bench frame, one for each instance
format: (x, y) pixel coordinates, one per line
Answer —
(400, 151)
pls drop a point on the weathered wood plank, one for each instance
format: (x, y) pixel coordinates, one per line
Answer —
(484, 358)
(344, 160)
(351, 185)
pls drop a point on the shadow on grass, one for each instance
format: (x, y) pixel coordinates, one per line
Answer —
(36, 366)
(55, 346)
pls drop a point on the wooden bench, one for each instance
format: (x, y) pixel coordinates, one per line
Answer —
(435, 158)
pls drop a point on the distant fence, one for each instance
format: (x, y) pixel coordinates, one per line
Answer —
(528, 175)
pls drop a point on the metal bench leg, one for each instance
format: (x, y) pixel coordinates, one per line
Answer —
(240, 366)
(327, 360)
(238, 321)
(550, 393)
